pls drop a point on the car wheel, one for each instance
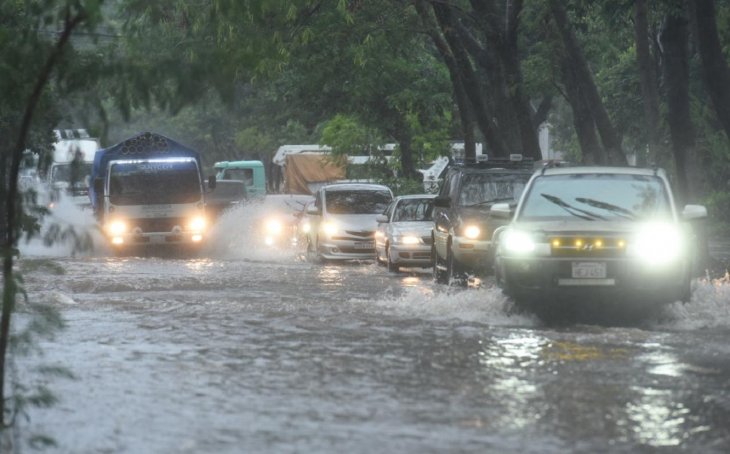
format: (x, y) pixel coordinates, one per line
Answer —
(392, 267)
(439, 268)
(454, 273)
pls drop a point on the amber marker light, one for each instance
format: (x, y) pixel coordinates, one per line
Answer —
(598, 243)
(578, 243)
(556, 243)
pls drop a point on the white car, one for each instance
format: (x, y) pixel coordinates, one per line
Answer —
(608, 235)
(341, 222)
(403, 237)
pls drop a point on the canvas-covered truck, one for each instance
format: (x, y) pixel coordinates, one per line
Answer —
(149, 190)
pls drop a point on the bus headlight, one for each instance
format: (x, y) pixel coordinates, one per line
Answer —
(117, 227)
(197, 224)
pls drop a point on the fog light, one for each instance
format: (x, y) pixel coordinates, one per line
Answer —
(197, 238)
(117, 240)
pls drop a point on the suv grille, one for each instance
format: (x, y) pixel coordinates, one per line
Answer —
(587, 247)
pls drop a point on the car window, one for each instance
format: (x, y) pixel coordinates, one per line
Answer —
(596, 197)
(357, 201)
(414, 210)
(482, 189)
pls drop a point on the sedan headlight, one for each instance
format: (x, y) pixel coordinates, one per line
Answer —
(329, 228)
(274, 227)
(407, 239)
(518, 242)
(657, 243)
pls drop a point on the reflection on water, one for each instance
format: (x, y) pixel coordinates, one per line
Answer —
(511, 362)
(655, 418)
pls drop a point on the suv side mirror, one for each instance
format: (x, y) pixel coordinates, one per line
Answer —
(313, 211)
(211, 182)
(501, 211)
(691, 212)
(442, 201)
(381, 219)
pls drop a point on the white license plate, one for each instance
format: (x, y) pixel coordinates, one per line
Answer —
(365, 245)
(589, 270)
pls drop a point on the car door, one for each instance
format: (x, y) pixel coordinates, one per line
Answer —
(443, 205)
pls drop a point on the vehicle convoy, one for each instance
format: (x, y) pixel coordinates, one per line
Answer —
(595, 232)
(403, 237)
(69, 173)
(148, 190)
(462, 228)
(342, 220)
(251, 173)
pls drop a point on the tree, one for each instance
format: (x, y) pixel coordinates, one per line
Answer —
(68, 16)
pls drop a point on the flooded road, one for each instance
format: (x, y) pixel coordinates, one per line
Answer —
(254, 352)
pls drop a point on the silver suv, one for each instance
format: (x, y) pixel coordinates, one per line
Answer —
(609, 234)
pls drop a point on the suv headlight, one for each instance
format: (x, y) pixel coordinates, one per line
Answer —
(472, 231)
(518, 242)
(657, 243)
(117, 227)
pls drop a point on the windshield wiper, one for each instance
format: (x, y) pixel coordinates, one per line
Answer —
(577, 212)
(484, 202)
(623, 212)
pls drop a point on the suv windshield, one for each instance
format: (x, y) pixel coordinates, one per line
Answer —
(485, 188)
(596, 197)
(357, 201)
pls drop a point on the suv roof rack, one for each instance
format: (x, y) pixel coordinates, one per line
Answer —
(514, 161)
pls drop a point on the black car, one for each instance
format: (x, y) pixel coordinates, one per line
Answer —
(462, 234)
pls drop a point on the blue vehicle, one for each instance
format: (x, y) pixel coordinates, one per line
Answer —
(149, 190)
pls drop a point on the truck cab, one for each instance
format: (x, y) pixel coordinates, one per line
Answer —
(148, 190)
(252, 173)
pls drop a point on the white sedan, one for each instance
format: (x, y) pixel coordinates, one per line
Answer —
(403, 237)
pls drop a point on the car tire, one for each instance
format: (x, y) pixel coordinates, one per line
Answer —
(454, 273)
(439, 276)
(392, 267)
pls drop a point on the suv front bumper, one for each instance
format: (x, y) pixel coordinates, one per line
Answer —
(539, 279)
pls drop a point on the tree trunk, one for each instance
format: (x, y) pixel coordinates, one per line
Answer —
(648, 78)
(444, 17)
(585, 128)
(674, 39)
(462, 102)
(714, 65)
(609, 136)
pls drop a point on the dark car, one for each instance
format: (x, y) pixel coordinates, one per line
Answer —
(462, 233)
(595, 232)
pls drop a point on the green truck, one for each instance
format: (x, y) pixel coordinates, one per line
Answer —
(252, 173)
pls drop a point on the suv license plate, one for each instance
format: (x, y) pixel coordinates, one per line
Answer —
(365, 245)
(589, 270)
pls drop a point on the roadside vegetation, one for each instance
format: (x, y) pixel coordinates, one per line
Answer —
(235, 79)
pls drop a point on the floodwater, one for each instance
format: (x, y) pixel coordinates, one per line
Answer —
(251, 350)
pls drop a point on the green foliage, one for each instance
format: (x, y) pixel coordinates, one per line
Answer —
(718, 210)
